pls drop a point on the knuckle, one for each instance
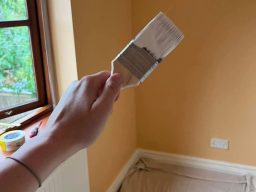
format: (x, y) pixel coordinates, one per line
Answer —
(105, 72)
(113, 86)
(88, 81)
(87, 78)
(101, 74)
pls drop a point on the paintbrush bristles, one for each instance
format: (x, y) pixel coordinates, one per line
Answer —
(137, 60)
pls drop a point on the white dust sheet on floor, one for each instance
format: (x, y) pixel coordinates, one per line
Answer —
(153, 176)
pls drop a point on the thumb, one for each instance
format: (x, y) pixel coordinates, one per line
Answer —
(110, 92)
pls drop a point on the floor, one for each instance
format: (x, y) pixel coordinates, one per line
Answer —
(152, 176)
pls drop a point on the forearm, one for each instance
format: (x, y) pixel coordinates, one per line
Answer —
(42, 154)
(74, 124)
(14, 177)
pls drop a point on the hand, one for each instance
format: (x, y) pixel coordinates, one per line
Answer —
(74, 124)
(83, 110)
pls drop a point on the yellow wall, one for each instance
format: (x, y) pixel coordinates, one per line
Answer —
(102, 28)
(207, 87)
(62, 36)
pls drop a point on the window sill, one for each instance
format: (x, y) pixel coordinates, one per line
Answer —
(22, 121)
(28, 126)
(34, 116)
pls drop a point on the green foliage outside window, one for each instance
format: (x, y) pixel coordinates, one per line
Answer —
(16, 63)
(13, 10)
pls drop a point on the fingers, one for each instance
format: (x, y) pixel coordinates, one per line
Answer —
(97, 77)
(93, 85)
(109, 94)
(96, 81)
(111, 89)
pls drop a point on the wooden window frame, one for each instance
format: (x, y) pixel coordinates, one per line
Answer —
(41, 67)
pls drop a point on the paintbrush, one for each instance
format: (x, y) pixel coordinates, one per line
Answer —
(143, 54)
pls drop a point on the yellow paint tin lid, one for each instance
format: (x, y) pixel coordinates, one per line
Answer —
(12, 140)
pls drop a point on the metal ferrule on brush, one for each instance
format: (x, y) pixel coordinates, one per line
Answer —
(139, 61)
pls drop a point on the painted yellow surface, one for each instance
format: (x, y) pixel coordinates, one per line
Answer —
(207, 86)
(62, 36)
(102, 28)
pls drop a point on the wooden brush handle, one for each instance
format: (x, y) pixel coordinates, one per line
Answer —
(129, 80)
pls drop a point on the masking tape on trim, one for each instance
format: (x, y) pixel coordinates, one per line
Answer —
(12, 140)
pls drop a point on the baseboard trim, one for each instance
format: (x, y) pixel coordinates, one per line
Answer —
(184, 160)
(120, 177)
(197, 162)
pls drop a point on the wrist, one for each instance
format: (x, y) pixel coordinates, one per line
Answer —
(42, 154)
(60, 140)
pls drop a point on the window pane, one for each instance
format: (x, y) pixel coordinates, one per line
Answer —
(11, 10)
(17, 77)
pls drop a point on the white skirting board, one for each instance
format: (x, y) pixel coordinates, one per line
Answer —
(120, 177)
(184, 160)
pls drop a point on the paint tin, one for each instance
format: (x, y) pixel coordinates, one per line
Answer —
(12, 140)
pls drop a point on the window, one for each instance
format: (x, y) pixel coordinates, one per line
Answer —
(22, 79)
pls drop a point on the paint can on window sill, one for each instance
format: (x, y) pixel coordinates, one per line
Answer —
(12, 140)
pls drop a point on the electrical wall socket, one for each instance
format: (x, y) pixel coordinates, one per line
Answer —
(219, 143)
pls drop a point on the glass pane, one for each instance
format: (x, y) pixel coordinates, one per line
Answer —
(11, 10)
(17, 77)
